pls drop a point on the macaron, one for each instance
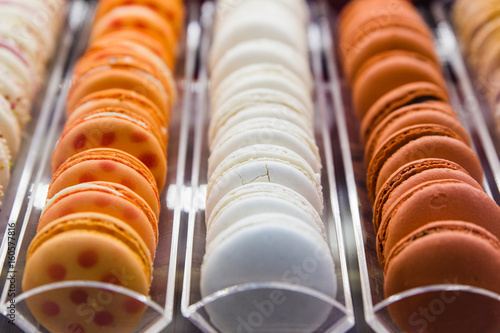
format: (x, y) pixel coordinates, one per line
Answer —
(5, 161)
(110, 165)
(114, 128)
(388, 70)
(264, 164)
(413, 174)
(260, 131)
(19, 98)
(171, 10)
(92, 247)
(13, 58)
(252, 98)
(139, 17)
(10, 130)
(106, 198)
(256, 19)
(418, 142)
(416, 114)
(129, 100)
(248, 199)
(126, 53)
(267, 76)
(265, 248)
(404, 95)
(445, 253)
(386, 39)
(260, 51)
(436, 200)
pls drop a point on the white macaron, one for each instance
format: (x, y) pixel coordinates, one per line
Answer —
(9, 127)
(254, 20)
(265, 248)
(260, 51)
(264, 164)
(5, 163)
(269, 76)
(18, 96)
(264, 131)
(248, 199)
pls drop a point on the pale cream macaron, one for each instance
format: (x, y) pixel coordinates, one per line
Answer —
(260, 51)
(299, 8)
(248, 199)
(264, 164)
(260, 131)
(9, 127)
(258, 19)
(269, 248)
(5, 160)
(255, 97)
(267, 76)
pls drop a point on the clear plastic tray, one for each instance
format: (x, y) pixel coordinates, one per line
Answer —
(33, 180)
(193, 306)
(470, 109)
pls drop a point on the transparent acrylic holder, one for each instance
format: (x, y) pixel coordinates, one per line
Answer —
(31, 196)
(193, 307)
(376, 306)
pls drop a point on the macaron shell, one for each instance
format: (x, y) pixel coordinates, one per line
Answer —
(9, 128)
(264, 170)
(5, 159)
(433, 147)
(387, 39)
(245, 200)
(260, 51)
(438, 200)
(121, 78)
(388, 70)
(111, 199)
(107, 165)
(404, 95)
(410, 116)
(413, 174)
(262, 248)
(113, 131)
(446, 253)
(394, 144)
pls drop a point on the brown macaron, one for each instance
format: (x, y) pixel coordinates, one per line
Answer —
(413, 174)
(407, 94)
(437, 113)
(387, 39)
(436, 200)
(444, 253)
(415, 143)
(387, 71)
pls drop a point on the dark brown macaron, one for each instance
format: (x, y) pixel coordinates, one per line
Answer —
(436, 200)
(413, 174)
(408, 94)
(388, 70)
(444, 253)
(437, 113)
(418, 142)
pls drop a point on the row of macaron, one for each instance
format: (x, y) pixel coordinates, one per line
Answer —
(477, 24)
(264, 196)
(101, 219)
(434, 222)
(27, 40)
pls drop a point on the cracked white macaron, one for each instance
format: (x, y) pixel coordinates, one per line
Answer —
(256, 252)
(9, 127)
(257, 51)
(245, 200)
(264, 164)
(254, 20)
(269, 76)
(272, 131)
